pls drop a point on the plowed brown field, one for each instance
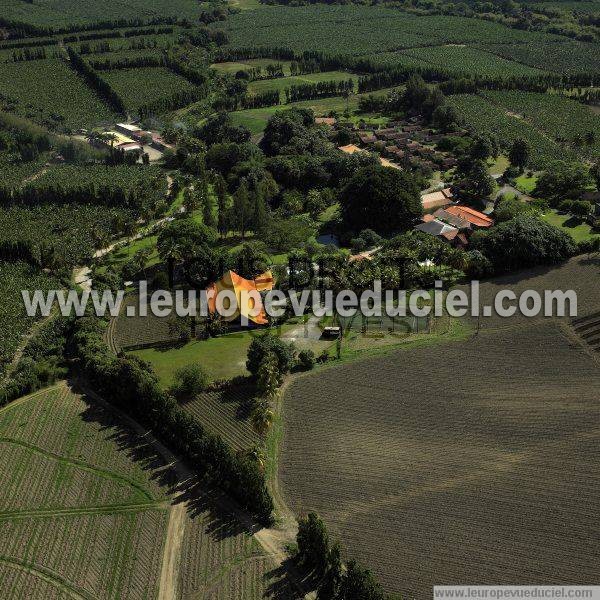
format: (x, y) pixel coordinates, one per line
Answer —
(475, 462)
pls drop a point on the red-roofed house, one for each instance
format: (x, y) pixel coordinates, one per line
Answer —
(476, 218)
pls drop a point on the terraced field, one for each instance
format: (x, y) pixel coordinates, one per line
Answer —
(477, 461)
(89, 510)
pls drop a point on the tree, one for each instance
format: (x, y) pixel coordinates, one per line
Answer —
(181, 240)
(519, 154)
(481, 149)
(269, 343)
(260, 212)
(595, 173)
(262, 417)
(476, 184)
(313, 542)
(241, 211)
(524, 241)
(581, 209)
(190, 380)
(359, 584)
(382, 199)
(561, 181)
(269, 379)
(220, 188)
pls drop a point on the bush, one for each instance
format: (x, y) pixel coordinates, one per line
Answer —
(306, 360)
(565, 206)
(190, 380)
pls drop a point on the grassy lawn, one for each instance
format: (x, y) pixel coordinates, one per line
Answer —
(255, 119)
(222, 357)
(498, 166)
(526, 184)
(281, 83)
(116, 259)
(329, 213)
(578, 230)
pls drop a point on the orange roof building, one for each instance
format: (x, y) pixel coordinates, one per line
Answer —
(246, 293)
(476, 218)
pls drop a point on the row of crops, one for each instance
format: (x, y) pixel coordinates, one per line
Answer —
(358, 30)
(490, 119)
(100, 544)
(65, 13)
(565, 120)
(138, 87)
(14, 322)
(51, 93)
(71, 232)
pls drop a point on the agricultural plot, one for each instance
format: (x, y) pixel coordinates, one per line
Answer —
(234, 568)
(489, 119)
(564, 120)
(62, 13)
(146, 85)
(69, 229)
(14, 322)
(544, 51)
(361, 30)
(470, 61)
(226, 413)
(86, 508)
(255, 119)
(417, 459)
(222, 357)
(251, 63)
(77, 511)
(282, 83)
(66, 104)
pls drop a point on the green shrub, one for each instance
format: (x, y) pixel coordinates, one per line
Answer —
(306, 360)
(190, 380)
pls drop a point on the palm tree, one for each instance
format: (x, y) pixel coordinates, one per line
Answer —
(262, 418)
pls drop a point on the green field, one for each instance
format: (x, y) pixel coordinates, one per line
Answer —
(463, 59)
(60, 13)
(146, 85)
(251, 63)
(14, 322)
(489, 119)
(577, 229)
(255, 119)
(222, 357)
(281, 83)
(562, 119)
(68, 103)
(365, 30)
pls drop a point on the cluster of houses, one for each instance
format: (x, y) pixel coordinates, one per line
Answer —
(408, 144)
(454, 223)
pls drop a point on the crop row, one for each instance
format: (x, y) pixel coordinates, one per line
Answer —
(566, 121)
(225, 413)
(489, 119)
(14, 322)
(50, 93)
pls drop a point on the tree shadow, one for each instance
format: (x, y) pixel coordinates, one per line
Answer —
(206, 505)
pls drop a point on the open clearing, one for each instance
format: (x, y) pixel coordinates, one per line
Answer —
(90, 509)
(475, 461)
